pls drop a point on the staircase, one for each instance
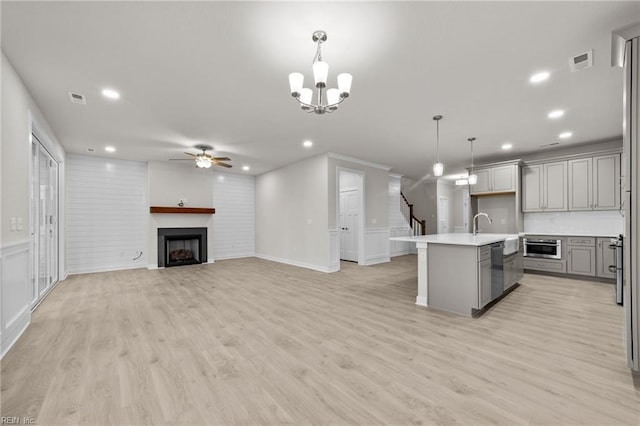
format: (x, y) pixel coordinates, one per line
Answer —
(418, 227)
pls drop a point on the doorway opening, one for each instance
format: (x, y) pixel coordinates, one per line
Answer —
(351, 215)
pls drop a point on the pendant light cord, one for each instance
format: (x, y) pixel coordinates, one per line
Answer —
(438, 140)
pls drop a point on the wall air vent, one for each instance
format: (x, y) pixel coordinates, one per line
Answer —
(77, 98)
(581, 61)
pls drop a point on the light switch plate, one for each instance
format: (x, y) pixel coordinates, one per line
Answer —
(13, 224)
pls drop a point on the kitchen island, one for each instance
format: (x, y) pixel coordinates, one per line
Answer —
(455, 271)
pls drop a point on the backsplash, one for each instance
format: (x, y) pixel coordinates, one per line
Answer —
(585, 223)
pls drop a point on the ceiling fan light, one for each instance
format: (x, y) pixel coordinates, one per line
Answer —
(344, 84)
(320, 72)
(296, 80)
(438, 169)
(203, 163)
(473, 179)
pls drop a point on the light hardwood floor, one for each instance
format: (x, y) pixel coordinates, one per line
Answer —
(250, 341)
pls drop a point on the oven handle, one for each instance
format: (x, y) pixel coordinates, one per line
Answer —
(529, 243)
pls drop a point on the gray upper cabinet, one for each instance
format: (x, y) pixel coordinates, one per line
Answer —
(606, 182)
(544, 187)
(594, 183)
(532, 188)
(581, 184)
(495, 179)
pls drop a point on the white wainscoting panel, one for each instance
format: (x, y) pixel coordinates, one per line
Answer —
(15, 292)
(107, 214)
(376, 246)
(400, 248)
(334, 250)
(234, 199)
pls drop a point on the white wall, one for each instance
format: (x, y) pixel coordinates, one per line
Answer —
(17, 109)
(168, 183)
(107, 214)
(234, 199)
(291, 214)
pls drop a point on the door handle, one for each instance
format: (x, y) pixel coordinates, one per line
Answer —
(612, 268)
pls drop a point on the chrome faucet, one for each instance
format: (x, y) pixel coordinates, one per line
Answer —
(475, 222)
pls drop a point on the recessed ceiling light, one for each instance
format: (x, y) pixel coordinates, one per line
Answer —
(556, 113)
(539, 77)
(246, 168)
(307, 144)
(110, 93)
(109, 149)
(506, 146)
(565, 135)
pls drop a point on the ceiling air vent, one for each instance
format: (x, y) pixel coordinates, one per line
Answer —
(581, 61)
(77, 98)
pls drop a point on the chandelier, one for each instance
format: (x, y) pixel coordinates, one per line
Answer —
(326, 102)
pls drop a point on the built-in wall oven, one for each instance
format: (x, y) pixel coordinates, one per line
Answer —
(545, 248)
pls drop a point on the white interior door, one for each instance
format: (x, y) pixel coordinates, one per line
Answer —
(349, 223)
(443, 215)
(44, 221)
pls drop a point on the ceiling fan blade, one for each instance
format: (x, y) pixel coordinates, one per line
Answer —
(221, 158)
(193, 155)
(217, 163)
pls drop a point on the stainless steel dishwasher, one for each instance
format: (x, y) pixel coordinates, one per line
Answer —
(497, 270)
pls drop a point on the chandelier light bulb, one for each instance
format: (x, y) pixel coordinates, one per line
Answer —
(344, 83)
(306, 95)
(473, 179)
(333, 96)
(438, 169)
(296, 80)
(320, 73)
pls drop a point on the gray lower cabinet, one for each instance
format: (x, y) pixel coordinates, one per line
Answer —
(604, 258)
(545, 265)
(581, 256)
(512, 269)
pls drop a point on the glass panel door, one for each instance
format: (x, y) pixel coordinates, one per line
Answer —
(44, 221)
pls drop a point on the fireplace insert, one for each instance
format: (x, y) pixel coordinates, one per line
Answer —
(181, 246)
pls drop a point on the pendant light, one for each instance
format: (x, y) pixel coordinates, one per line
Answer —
(473, 178)
(438, 167)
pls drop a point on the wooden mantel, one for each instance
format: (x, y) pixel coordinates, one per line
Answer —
(182, 210)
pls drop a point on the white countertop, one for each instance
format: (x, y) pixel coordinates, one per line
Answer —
(457, 239)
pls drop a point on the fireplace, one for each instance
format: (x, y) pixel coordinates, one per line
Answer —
(181, 246)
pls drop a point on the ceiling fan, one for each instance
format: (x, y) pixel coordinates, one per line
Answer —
(204, 160)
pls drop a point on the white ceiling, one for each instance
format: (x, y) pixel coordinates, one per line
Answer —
(216, 73)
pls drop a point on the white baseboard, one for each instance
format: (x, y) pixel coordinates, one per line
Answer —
(421, 301)
(376, 260)
(318, 268)
(14, 331)
(104, 269)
